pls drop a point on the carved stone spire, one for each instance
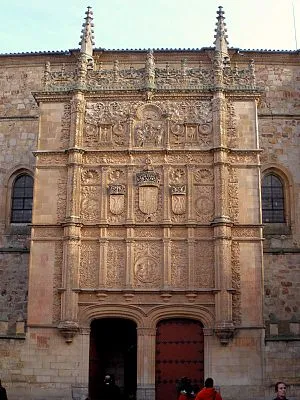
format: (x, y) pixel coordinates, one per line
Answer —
(221, 42)
(87, 37)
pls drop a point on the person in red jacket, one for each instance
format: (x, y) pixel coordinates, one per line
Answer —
(208, 392)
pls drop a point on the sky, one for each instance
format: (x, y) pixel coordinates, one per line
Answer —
(39, 25)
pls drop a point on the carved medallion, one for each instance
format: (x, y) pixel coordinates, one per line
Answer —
(146, 269)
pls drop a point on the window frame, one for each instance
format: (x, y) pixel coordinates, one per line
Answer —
(12, 177)
(273, 199)
(280, 228)
(22, 198)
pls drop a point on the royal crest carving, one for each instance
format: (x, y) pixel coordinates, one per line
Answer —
(178, 199)
(116, 198)
(148, 185)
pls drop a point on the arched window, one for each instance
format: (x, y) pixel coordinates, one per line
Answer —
(21, 199)
(272, 199)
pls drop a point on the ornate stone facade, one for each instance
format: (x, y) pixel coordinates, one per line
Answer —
(147, 207)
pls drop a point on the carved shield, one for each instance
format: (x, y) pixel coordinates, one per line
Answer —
(178, 204)
(116, 203)
(148, 199)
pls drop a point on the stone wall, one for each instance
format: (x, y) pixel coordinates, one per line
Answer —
(18, 138)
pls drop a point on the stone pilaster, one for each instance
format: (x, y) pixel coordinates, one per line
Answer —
(146, 341)
(167, 259)
(224, 327)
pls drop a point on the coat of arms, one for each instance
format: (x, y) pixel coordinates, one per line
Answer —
(178, 199)
(116, 199)
(148, 182)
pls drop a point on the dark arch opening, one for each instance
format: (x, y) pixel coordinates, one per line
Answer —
(113, 350)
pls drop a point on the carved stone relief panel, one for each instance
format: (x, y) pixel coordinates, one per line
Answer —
(116, 259)
(90, 203)
(232, 134)
(178, 233)
(147, 264)
(61, 195)
(204, 203)
(245, 232)
(90, 194)
(190, 158)
(204, 175)
(90, 176)
(233, 195)
(90, 232)
(204, 264)
(89, 264)
(106, 124)
(52, 159)
(147, 232)
(117, 232)
(150, 127)
(156, 124)
(243, 158)
(236, 283)
(190, 123)
(179, 264)
(65, 127)
(57, 280)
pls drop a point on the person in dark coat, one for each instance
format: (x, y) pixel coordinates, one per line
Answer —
(109, 389)
(3, 395)
(280, 389)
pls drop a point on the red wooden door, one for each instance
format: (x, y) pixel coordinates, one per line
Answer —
(179, 352)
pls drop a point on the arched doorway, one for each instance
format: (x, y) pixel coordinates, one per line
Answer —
(113, 350)
(179, 352)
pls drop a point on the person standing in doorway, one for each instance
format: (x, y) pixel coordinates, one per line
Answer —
(280, 389)
(3, 395)
(109, 389)
(208, 392)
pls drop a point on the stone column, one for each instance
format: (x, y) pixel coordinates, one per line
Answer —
(72, 228)
(222, 224)
(146, 341)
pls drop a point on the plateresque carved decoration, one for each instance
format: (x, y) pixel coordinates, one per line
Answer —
(178, 199)
(150, 127)
(147, 263)
(116, 198)
(148, 183)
